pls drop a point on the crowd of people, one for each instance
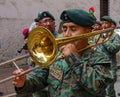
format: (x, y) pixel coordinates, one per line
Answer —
(80, 73)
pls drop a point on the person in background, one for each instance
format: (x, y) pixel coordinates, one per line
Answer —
(110, 48)
(25, 34)
(47, 20)
(78, 73)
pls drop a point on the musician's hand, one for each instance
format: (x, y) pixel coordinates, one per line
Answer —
(68, 49)
(19, 81)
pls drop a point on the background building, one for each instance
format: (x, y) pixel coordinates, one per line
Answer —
(18, 14)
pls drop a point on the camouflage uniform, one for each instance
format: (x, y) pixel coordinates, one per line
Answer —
(36, 88)
(110, 48)
(77, 75)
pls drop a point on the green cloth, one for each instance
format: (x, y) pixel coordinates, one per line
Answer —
(77, 16)
(77, 75)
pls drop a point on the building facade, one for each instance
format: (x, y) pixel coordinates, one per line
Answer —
(15, 15)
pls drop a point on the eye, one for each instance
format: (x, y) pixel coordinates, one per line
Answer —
(73, 29)
(64, 29)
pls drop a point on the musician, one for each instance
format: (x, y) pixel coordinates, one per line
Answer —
(25, 34)
(45, 19)
(76, 74)
(110, 48)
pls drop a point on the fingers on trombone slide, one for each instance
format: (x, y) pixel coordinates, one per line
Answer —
(19, 81)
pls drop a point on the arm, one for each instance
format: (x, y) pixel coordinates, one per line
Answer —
(35, 81)
(93, 72)
(113, 46)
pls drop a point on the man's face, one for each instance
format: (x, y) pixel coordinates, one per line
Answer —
(106, 24)
(71, 29)
(47, 23)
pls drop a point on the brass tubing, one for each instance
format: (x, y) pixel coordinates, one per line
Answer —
(13, 60)
(14, 76)
(65, 40)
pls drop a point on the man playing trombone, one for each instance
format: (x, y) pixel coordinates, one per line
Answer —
(78, 73)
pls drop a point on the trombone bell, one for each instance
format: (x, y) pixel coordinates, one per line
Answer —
(42, 46)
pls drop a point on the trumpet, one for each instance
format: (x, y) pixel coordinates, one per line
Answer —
(43, 47)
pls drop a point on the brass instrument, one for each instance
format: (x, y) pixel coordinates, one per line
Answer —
(14, 60)
(43, 47)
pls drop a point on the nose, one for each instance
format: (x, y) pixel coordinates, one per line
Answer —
(67, 33)
(48, 23)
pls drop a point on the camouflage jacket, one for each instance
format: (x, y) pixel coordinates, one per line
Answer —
(110, 48)
(77, 75)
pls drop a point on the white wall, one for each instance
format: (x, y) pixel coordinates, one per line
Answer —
(17, 14)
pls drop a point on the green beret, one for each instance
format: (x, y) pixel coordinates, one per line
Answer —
(44, 14)
(79, 17)
(107, 18)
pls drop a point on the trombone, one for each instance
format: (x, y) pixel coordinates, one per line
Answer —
(43, 47)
